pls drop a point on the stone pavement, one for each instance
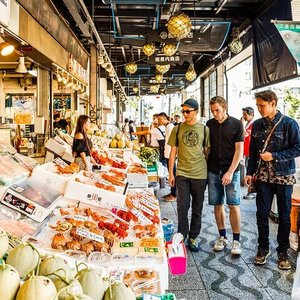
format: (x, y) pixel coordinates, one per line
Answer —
(220, 276)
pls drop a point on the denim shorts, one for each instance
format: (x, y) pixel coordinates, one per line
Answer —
(216, 191)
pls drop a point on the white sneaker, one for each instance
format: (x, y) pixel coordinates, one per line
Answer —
(220, 243)
(236, 248)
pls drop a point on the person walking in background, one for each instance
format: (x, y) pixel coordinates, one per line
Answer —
(61, 123)
(167, 149)
(158, 136)
(125, 127)
(247, 120)
(131, 129)
(223, 171)
(274, 145)
(82, 145)
(176, 120)
(190, 141)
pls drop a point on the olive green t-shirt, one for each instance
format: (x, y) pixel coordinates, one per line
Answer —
(191, 159)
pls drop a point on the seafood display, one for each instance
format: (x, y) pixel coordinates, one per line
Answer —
(105, 160)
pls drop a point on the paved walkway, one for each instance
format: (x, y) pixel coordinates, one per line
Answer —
(219, 276)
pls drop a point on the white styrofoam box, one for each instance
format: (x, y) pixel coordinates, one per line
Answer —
(56, 147)
(68, 156)
(93, 195)
(46, 174)
(124, 153)
(107, 168)
(137, 180)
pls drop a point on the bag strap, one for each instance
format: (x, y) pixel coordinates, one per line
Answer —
(265, 145)
(162, 133)
(204, 136)
(177, 133)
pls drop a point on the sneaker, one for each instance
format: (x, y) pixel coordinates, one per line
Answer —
(283, 261)
(249, 196)
(261, 256)
(236, 248)
(170, 198)
(193, 245)
(220, 243)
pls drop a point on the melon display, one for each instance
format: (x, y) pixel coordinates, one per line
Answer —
(37, 288)
(24, 258)
(9, 281)
(119, 291)
(92, 283)
(52, 264)
(3, 242)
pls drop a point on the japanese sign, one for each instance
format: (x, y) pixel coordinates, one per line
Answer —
(290, 33)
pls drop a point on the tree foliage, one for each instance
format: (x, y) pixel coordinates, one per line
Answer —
(293, 104)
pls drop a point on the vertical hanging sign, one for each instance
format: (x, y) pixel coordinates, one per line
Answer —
(290, 33)
(4, 12)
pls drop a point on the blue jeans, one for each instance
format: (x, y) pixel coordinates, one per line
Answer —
(216, 191)
(187, 187)
(264, 199)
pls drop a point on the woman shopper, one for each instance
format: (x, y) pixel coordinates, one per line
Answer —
(82, 145)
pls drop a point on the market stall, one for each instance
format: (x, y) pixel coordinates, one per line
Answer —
(86, 217)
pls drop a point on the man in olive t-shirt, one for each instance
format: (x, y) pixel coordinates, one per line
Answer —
(190, 141)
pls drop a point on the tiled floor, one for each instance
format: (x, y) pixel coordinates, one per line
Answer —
(219, 276)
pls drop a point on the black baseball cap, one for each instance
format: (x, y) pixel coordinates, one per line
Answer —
(192, 103)
(249, 110)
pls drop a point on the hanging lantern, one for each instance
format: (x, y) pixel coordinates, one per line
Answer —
(191, 74)
(162, 68)
(179, 25)
(159, 78)
(148, 49)
(135, 89)
(131, 67)
(236, 45)
(154, 88)
(170, 49)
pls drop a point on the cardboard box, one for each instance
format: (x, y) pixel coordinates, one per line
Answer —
(93, 195)
(46, 174)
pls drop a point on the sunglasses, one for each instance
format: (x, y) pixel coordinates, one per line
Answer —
(187, 111)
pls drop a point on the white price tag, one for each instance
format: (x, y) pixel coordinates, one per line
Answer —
(145, 209)
(58, 161)
(76, 217)
(90, 235)
(149, 203)
(117, 276)
(118, 207)
(144, 220)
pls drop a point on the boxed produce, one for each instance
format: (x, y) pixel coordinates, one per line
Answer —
(54, 176)
(32, 198)
(105, 189)
(137, 176)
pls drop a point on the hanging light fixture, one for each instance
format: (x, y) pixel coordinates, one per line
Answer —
(159, 78)
(105, 63)
(191, 74)
(162, 68)
(69, 83)
(131, 67)
(58, 76)
(236, 45)
(135, 89)
(179, 25)
(21, 68)
(170, 49)
(5, 48)
(154, 88)
(148, 49)
(65, 79)
(100, 59)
